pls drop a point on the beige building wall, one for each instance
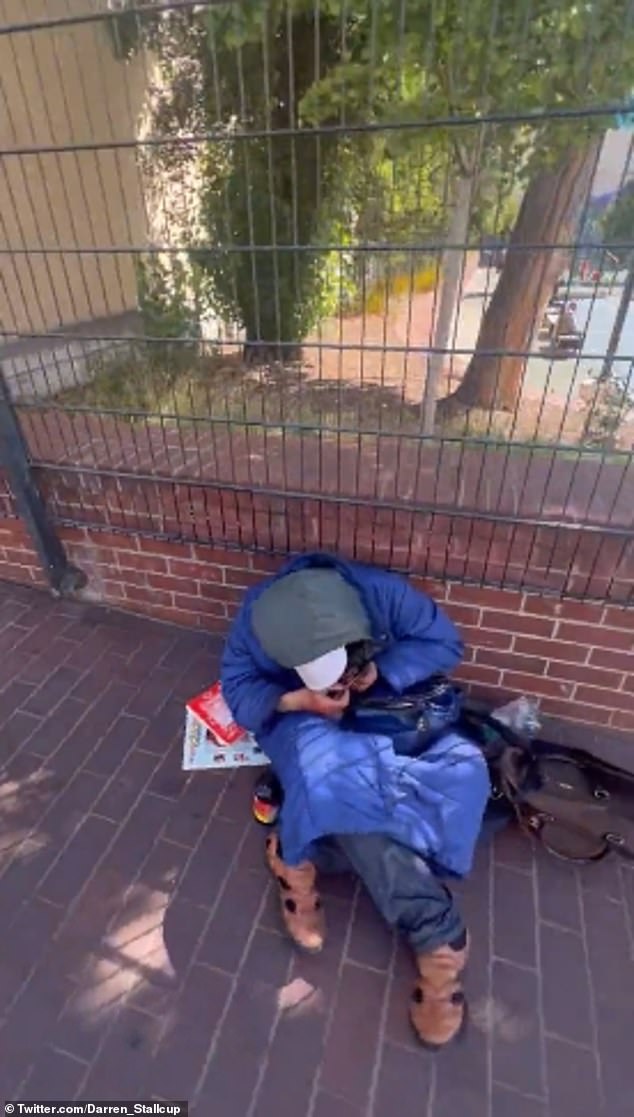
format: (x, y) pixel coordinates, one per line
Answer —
(60, 87)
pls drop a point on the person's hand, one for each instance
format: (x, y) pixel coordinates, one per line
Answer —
(310, 701)
(365, 679)
(330, 705)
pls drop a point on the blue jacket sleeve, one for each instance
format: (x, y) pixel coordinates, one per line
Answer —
(251, 695)
(426, 641)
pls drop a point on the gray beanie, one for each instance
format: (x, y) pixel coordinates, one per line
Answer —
(304, 615)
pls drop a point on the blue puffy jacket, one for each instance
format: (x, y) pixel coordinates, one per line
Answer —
(338, 780)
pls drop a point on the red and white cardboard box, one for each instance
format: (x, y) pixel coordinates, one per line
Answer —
(212, 737)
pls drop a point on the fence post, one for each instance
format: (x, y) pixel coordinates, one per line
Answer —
(619, 321)
(62, 575)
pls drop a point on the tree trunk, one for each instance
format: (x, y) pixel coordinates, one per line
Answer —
(549, 214)
(258, 352)
(451, 276)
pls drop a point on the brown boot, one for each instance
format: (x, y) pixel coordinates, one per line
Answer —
(301, 907)
(438, 1006)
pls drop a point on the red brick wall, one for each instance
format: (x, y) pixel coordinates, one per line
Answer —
(578, 658)
(461, 545)
(18, 560)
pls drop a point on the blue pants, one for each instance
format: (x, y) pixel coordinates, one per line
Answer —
(401, 884)
(409, 896)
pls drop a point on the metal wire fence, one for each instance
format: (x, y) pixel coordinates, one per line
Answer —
(343, 273)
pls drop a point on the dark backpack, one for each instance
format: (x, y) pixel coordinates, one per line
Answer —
(579, 806)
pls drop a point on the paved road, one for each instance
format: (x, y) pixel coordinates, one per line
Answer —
(557, 378)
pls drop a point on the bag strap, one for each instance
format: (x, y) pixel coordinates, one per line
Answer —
(413, 698)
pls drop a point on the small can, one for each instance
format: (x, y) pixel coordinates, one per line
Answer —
(267, 799)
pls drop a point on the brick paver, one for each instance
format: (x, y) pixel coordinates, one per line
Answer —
(141, 953)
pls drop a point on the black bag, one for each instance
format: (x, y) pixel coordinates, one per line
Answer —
(580, 807)
(412, 719)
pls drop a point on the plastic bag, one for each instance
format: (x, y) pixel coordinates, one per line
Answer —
(521, 715)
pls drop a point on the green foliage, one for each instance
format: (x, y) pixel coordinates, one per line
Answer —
(261, 279)
(272, 199)
(140, 375)
(130, 381)
(618, 224)
(143, 375)
(609, 402)
(452, 59)
(168, 298)
(254, 71)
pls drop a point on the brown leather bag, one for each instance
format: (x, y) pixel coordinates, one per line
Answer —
(580, 806)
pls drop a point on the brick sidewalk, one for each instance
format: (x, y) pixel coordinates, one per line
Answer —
(141, 953)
